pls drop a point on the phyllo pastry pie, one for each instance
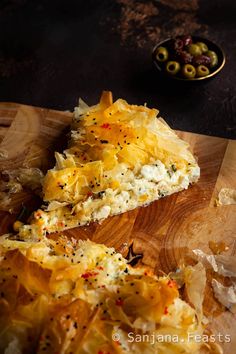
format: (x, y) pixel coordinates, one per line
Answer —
(119, 157)
(68, 296)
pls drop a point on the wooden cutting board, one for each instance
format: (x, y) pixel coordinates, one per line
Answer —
(165, 232)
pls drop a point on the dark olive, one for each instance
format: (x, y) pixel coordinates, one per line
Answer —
(214, 58)
(184, 57)
(194, 49)
(172, 67)
(162, 54)
(203, 46)
(201, 60)
(188, 71)
(178, 44)
(202, 71)
(187, 40)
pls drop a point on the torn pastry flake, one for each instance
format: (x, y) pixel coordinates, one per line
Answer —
(224, 265)
(3, 154)
(226, 295)
(15, 181)
(227, 196)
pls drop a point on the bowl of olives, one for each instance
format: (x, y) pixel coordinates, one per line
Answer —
(188, 58)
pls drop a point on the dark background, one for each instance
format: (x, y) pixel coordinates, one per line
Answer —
(52, 52)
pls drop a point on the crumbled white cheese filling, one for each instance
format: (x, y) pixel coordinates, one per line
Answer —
(102, 212)
(155, 172)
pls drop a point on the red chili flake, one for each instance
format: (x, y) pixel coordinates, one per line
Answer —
(119, 302)
(171, 283)
(88, 275)
(89, 194)
(106, 126)
(100, 268)
(166, 310)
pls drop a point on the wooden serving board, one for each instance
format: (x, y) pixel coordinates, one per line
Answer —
(167, 230)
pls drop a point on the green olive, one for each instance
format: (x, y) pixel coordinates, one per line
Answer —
(202, 71)
(194, 49)
(162, 54)
(173, 67)
(188, 71)
(202, 46)
(214, 58)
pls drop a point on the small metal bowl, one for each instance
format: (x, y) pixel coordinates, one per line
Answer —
(212, 46)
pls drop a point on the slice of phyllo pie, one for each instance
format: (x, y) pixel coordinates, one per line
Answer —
(119, 157)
